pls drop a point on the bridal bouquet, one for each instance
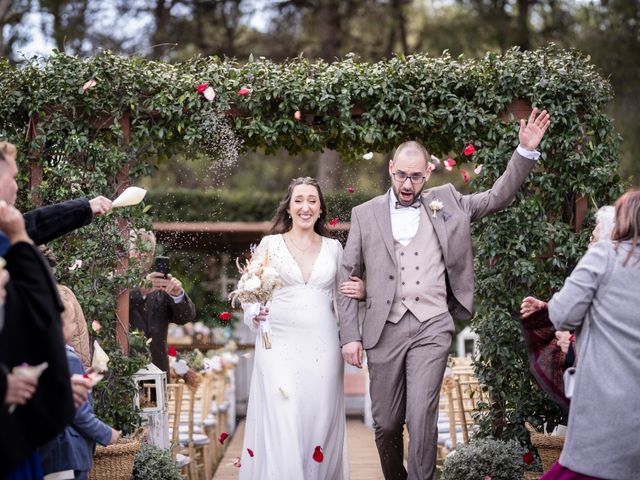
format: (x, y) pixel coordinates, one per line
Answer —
(256, 285)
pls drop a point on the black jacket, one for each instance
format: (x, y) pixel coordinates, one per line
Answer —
(153, 314)
(32, 334)
(48, 223)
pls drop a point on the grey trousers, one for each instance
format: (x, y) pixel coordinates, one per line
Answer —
(406, 369)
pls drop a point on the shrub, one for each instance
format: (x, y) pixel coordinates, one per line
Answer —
(154, 463)
(496, 459)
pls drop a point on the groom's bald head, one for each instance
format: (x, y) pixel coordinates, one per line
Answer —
(412, 148)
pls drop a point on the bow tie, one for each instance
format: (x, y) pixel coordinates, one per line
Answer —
(415, 204)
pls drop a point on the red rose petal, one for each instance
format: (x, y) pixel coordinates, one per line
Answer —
(334, 221)
(469, 150)
(465, 175)
(223, 436)
(350, 189)
(172, 352)
(318, 456)
(202, 87)
(244, 91)
(86, 375)
(528, 458)
(250, 452)
(225, 316)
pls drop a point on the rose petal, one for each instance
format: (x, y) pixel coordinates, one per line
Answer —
(478, 169)
(235, 463)
(88, 85)
(350, 189)
(225, 316)
(450, 162)
(469, 150)
(465, 175)
(528, 458)
(318, 456)
(368, 156)
(250, 452)
(334, 221)
(246, 355)
(210, 94)
(223, 436)
(298, 115)
(95, 325)
(244, 91)
(487, 477)
(172, 352)
(202, 87)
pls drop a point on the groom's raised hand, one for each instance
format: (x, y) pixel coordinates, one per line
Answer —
(532, 132)
(352, 353)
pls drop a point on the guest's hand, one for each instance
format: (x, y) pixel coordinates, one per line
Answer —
(100, 205)
(12, 224)
(563, 340)
(353, 354)
(20, 389)
(4, 279)
(115, 435)
(532, 132)
(80, 386)
(355, 289)
(171, 285)
(531, 305)
(262, 316)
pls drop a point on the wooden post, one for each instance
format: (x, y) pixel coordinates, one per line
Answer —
(122, 310)
(35, 168)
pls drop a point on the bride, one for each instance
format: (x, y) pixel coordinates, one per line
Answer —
(295, 425)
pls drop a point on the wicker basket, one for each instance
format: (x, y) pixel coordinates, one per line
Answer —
(549, 448)
(114, 462)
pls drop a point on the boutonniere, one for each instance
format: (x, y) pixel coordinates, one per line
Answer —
(435, 206)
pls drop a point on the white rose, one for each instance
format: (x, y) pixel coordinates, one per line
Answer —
(252, 283)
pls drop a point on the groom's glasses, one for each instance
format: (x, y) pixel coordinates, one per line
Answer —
(401, 177)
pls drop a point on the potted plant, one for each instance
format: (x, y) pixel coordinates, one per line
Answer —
(487, 459)
(153, 463)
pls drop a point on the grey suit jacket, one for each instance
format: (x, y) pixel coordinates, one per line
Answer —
(370, 250)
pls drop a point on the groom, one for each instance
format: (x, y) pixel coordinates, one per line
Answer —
(414, 248)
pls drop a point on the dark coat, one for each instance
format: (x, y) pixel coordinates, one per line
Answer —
(73, 448)
(153, 314)
(32, 334)
(48, 223)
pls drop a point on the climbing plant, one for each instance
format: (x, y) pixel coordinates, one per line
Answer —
(90, 124)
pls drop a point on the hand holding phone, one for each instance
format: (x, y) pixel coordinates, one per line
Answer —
(162, 265)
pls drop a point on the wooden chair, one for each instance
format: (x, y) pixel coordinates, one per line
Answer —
(191, 433)
(174, 410)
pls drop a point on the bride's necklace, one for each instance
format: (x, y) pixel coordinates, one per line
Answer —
(301, 250)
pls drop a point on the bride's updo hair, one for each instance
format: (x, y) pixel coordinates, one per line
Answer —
(281, 221)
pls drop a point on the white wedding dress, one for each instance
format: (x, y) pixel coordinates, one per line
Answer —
(296, 401)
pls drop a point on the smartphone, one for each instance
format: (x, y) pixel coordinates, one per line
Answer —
(162, 265)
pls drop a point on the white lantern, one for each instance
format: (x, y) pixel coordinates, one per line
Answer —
(151, 399)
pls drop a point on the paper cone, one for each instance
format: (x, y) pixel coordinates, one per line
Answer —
(100, 359)
(27, 371)
(131, 196)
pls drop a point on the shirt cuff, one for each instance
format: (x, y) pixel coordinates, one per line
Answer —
(530, 154)
(179, 298)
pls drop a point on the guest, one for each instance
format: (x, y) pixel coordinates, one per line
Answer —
(551, 352)
(70, 454)
(600, 302)
(153, 309)
(50, 222)
(31, 335)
